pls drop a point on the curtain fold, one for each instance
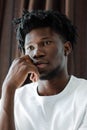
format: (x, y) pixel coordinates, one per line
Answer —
(75, 10)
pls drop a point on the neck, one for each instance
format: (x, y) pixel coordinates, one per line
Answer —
(53, 86)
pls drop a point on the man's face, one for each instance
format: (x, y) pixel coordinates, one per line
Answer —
(46, 50)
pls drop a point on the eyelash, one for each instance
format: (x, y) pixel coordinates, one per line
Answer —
(47, 43)
(31, 47)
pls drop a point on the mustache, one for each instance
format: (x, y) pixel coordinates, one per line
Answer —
(36, 62)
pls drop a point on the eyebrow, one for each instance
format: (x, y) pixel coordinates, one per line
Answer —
(43, 38)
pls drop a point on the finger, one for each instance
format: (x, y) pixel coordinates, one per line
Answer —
(26, 58)
(34, 77)
(34, 71)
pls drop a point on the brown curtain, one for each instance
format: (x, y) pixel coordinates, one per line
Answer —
(74, 9)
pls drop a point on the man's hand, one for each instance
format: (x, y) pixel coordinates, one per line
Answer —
(16, 76)
(19, 71)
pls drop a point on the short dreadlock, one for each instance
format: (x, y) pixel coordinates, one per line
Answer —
(41, 18)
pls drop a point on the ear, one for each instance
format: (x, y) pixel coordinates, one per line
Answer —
(67, 48)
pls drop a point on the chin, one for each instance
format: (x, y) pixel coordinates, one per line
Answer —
(45, 75)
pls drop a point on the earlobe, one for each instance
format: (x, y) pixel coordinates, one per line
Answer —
(67, 48)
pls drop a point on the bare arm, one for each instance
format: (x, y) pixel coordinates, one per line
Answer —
(7, 110)
(16, 76)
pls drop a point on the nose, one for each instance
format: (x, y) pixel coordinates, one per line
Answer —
(39, 53)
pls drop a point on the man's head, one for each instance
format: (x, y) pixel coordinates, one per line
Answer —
(58, 22)
(47, 37)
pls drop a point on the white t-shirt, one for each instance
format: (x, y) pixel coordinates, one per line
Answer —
(64, 111)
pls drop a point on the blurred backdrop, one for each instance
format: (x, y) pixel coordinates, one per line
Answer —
(76, 10)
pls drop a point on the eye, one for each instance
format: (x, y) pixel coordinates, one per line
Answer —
(31, 47)
(47, 43)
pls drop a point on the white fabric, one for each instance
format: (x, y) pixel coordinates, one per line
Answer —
(64, 111)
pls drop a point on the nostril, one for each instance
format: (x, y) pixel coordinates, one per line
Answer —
(39, 54)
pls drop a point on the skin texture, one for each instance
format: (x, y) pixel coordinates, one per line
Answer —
(49, 51)
(45, 60)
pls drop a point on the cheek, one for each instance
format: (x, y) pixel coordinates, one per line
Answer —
(30, 52)
(56, 52)
(60, 53)
(57, 56)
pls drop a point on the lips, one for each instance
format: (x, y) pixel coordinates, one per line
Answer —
(41, 64)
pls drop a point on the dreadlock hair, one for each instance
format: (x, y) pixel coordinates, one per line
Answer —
(42, 18)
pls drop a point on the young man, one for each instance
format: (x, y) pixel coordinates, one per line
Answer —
(54, 100)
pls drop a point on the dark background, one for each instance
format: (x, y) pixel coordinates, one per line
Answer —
(76, 10)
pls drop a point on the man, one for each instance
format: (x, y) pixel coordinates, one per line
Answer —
(54, 100)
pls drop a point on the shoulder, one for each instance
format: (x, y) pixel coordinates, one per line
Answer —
(80, 83)
(27, 90)
(80, 89)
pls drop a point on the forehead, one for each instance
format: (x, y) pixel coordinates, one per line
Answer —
(40, 34)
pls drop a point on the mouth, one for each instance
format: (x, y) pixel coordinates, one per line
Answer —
(41, 64)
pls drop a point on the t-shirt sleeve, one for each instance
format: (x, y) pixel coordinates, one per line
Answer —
(84, 122)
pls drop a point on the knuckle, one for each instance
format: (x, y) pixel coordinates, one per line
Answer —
(29, 68)
(25, 68)
(18, 60)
